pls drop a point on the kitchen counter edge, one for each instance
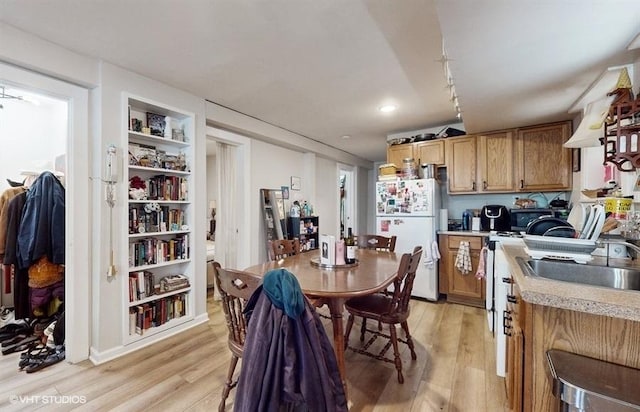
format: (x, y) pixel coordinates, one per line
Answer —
(566, 295)
(462, 233)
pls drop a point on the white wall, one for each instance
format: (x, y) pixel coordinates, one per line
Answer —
(32, 135)
(108, 297)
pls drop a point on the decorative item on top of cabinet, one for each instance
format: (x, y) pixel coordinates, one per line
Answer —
(460, 288)
(159, 288)
(542, 162)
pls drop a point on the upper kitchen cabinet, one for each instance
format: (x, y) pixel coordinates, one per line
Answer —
(542, 163)
(495, 161)
(461, 164)
(398, 152)
(430, 152)
(479, 164)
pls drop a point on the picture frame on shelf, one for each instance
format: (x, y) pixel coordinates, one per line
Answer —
(295, 183)
(156, 124)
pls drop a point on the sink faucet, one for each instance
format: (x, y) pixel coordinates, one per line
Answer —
(607, 242)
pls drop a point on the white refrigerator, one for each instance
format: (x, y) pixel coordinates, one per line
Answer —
(408, 209)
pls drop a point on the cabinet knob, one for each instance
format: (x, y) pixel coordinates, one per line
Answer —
(473, 186)
(484, 185)
(521, 183)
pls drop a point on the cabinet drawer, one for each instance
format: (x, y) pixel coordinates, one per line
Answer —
(475, 242)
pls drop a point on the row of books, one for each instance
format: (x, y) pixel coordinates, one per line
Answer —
(163, 187)
(156, 313)
(142, 284)
(151, 251)
(164, 220)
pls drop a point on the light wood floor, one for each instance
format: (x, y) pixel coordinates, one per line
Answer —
(455, 371)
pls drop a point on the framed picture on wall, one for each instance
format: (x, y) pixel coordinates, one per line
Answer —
(295, 183)
(576, 159)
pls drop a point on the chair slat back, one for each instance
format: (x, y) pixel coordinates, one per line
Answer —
(377, 242)
(236, 287)
(284, 247)
(403, 283)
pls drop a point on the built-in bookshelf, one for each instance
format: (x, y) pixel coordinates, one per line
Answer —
(158, 288)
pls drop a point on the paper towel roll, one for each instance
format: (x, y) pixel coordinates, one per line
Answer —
(444, 219)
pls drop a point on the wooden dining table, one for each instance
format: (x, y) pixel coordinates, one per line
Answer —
(373, 272)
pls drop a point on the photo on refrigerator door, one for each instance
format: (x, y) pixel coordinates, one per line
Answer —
(384, 225)
(391, 206)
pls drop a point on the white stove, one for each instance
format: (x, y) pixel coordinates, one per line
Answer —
(498, 285)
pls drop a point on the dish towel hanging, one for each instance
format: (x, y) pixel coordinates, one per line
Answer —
(463, 259)
(431, 254)
(482, 263)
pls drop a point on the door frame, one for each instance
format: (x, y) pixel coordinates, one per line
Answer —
(351, 204)
(243, 226)
(77, 207)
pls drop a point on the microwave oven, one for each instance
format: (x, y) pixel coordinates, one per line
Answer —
(520, 218)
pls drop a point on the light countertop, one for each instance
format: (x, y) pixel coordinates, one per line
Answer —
(463, 233)
(596, 300)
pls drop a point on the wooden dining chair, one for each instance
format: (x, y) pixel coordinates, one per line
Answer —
(284, 247)
(389, 310)
(377, 242)
(236, 287)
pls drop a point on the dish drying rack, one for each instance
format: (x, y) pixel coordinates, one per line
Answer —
(578, 250)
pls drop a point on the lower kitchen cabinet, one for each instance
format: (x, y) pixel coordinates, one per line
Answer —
(459, 287)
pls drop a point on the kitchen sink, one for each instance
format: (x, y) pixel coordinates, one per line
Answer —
(589, 274)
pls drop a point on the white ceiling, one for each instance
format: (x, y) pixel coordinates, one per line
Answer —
(321, 68)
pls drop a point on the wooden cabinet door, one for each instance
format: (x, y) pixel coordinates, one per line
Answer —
(464, 285)
(465, 289)
(543, 164)
(430, 152)
(461, 164)
(397, 153)
(496, 162)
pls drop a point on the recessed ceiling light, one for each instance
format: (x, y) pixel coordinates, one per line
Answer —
(387, 108)
(346, 136)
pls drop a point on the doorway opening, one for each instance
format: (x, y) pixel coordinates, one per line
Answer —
(347, 199)
(43, 127)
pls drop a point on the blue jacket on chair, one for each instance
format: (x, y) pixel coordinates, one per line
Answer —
(288, 362)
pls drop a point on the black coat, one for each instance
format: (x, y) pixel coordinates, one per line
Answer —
(42, 226)
(287, 363)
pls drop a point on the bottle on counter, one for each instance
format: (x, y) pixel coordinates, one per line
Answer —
(466, 220)
(350, 246)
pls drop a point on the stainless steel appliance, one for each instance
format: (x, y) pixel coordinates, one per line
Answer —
(495, 218)
(520, 218)
(407, 209)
